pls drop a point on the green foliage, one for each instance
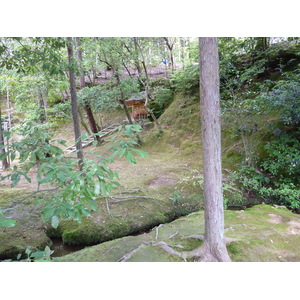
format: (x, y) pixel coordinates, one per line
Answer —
(285, 99)
(182, 206)
(283, 159)
(270, 165)
(99, 97)
(37, 256)
(58, 112)
(124, 145)
(193, 184)
(286, 193)
(258, 184)
(163, 98)
(129, 86)
(29, 55)
(6, 222)
(34, 148)
(76, 190)
(186, 80)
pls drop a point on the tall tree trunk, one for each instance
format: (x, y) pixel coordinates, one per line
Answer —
(45, 101)
(182, 46)
(82, 122)
(214, 244)
(8, 105)
(87, 107)
(149, 111)
(170, 47)
(5, 163)
(74, 103)
(136, 55)
(41, 104)
(146, 86)
(122, 97)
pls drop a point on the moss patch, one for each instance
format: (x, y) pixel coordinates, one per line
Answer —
(29, 231)
(258, 239)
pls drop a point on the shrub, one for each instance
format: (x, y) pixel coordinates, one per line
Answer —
(163, 98)
(283, 159)
(186, 80)
(285, 98)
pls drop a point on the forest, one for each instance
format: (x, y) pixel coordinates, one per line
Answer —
(149, 149)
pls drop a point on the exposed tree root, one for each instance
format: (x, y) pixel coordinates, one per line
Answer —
(129, 255)
(168, 249)
(156, 235)
(227, 240)
(113, 199)
(172, 235)
(206, 253)
(203, 253)
(107, 207)
(199, 237)
(129, 191)
(32, 194)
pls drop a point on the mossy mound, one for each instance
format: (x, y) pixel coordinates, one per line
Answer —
(265, 233)
(181, 128)
(29, 231)
(261, 234)
(115, 218)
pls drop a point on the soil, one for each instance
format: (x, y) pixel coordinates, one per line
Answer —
(162, 180)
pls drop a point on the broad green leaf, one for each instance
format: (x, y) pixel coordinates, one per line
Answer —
(46, 179)
(93, 206)
(86, 212)
(97, 188)
(104, 188)
(84, 136)
(48, 212)
(28, 250)
(61, 176)
(48, 253)
(54, 221)
(62, 142)
(141, 153)
(27, 177)
(6, 222)
(122, 151)
(129, 157)
(38, 254)
(12, 156)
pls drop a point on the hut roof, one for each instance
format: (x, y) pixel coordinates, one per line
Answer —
(137, 97)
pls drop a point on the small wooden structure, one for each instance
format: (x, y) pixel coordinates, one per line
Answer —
(136, 105)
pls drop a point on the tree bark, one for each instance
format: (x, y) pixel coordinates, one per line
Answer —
(74, 103)
(170, 47)
(136, 55)
(41, 104)
(87, 107)
(82, 122)
(146, 86)
(8, 105)
(214, 244)
(5, 163)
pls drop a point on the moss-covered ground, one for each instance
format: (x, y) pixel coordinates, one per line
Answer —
(29, 231)
(262, 234)
(154, 191)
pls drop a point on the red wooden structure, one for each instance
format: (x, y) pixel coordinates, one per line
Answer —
(136, 106)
